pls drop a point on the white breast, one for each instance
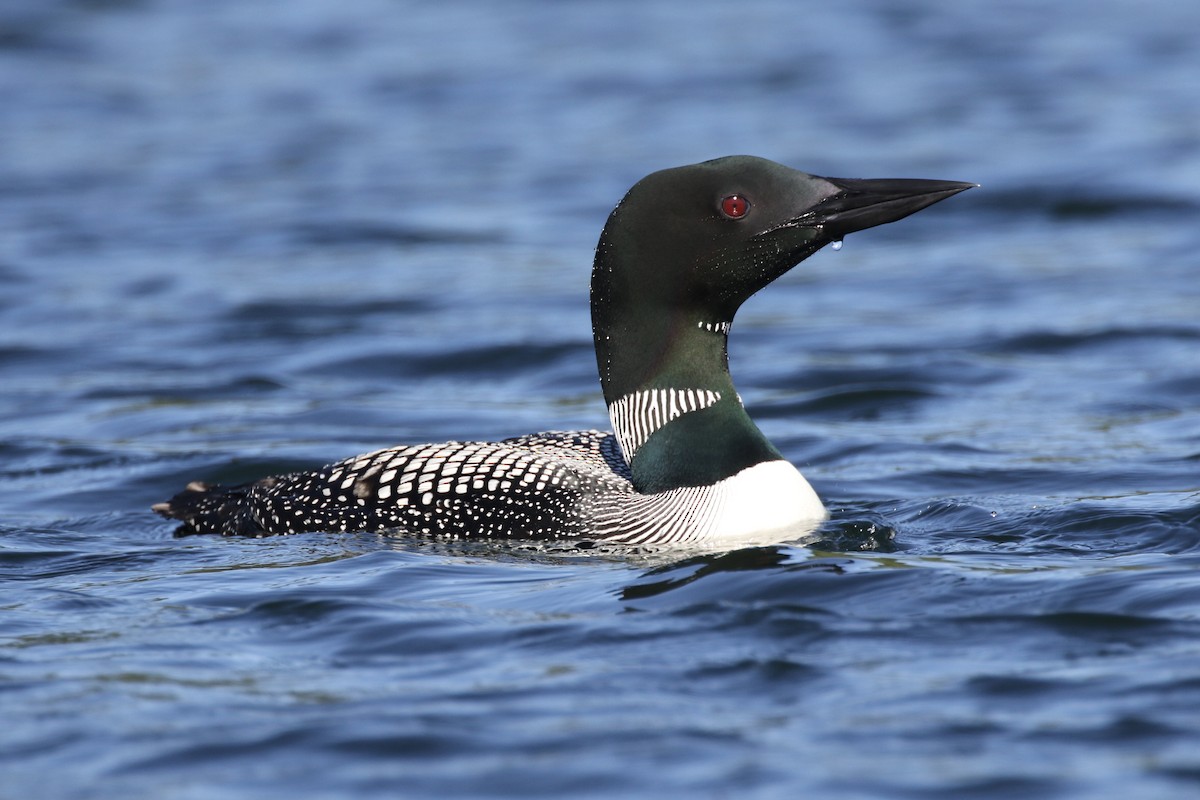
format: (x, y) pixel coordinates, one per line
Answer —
(764, 504)
(767, 502)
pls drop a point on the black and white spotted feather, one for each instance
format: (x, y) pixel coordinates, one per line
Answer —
(533, 486)
(557, 485)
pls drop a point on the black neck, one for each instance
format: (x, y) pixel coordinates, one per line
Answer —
(642, 347)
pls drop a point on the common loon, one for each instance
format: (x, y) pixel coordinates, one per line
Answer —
(685, 464)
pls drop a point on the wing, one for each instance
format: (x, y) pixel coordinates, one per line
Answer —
(533, 486)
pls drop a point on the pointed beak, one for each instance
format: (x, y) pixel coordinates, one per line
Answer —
(860, 204)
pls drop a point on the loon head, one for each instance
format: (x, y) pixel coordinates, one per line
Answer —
(677, 258)
(687, 246)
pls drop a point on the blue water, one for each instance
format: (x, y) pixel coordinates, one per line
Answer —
(240, 238)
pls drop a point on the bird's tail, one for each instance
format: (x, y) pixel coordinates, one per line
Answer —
(206, 508)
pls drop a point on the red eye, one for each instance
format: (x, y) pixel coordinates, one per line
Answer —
(735, 206)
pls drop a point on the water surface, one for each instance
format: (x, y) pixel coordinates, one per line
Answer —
(238, 239)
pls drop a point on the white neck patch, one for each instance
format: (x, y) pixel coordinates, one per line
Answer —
(635, 416)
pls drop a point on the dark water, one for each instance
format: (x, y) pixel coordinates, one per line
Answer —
(238, 238)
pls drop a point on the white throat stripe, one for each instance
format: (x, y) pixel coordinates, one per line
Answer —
(635, 416)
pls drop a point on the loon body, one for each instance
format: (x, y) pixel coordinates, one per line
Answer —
(685, 463)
